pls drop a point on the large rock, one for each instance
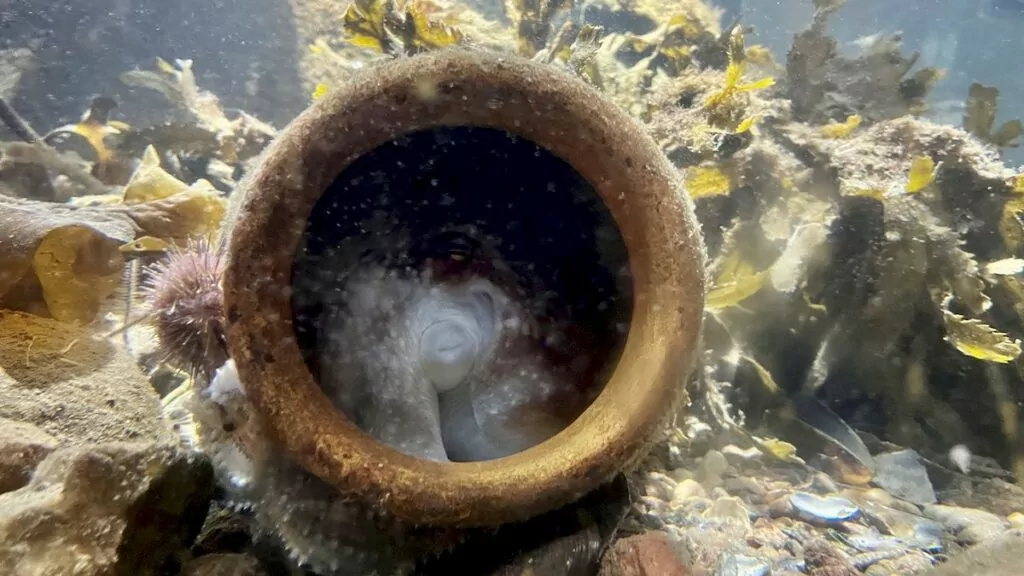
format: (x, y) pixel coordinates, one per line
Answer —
(75, 387)
(117, 508)
(648, 554)
(92, 481)
(22, 447)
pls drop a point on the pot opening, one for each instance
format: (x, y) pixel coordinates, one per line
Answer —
(461, 294)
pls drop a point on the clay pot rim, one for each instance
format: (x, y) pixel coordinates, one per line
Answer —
(561, 114)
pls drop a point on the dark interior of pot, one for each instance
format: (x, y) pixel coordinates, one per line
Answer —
(461, 294)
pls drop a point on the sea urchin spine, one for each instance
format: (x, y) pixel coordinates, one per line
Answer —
(184, 295)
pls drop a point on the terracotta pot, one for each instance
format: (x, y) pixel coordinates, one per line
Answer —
(559, 113)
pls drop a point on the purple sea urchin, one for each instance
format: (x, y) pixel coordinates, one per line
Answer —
(184, 296)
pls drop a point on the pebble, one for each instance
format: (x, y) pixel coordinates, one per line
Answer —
(742, 565)
(741, 457)
(823, 484)
(902, 475)
(968, 525)
(751, 490)
(686, 490)
(918, 531)
(660, 486)
(1016, 520)
(824, 559)
(730, 509)
(731, 513)
(648, 554)
(712, 467)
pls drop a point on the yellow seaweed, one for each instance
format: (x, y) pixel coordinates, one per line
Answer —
(319, 91)
(977, 339)
(922, 173)
(195, 210)
(1011, 227)
(737, 280)
(707, 181)
(780, 449)
(734, 73)
(840, 130)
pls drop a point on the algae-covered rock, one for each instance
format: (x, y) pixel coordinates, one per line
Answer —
(22, 447)
(75, 387)
(223, 565)
(117, 508)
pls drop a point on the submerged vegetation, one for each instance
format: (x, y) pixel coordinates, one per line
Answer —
(867, 265)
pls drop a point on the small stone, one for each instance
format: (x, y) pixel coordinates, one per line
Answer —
(660, 486)
(746, 488)
(968, 525)
(1000, 556)
(223, 565)
(688, 489)
(823, 484)
(1016, 520)
(741, 457)
(904, 476)
(742, 565)
(912, 562)
(680, 474)
(22, 447)
(824, 559)
(648, 554)
(730, 509)
(719, 492)
(712, 466)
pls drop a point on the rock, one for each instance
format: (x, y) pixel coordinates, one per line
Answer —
(904, 476)
(223, 565)
(22, 447)
(741, 457)
(688, 489)
(660, 486)
(992, 494)
(648, 554)
(745, 487)
(823, 484)
(924, 533)
(1000, 556)
(77, 388)
(824, 559)
(730, 509)
(911, 563)
(741, 565)
(968, 525)
(712, 466)
(1016, 520)
(117, 508)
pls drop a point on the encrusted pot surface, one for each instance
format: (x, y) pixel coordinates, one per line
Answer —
(573, 121)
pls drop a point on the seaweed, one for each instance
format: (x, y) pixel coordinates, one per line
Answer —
(980, 115)
(397, 28)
